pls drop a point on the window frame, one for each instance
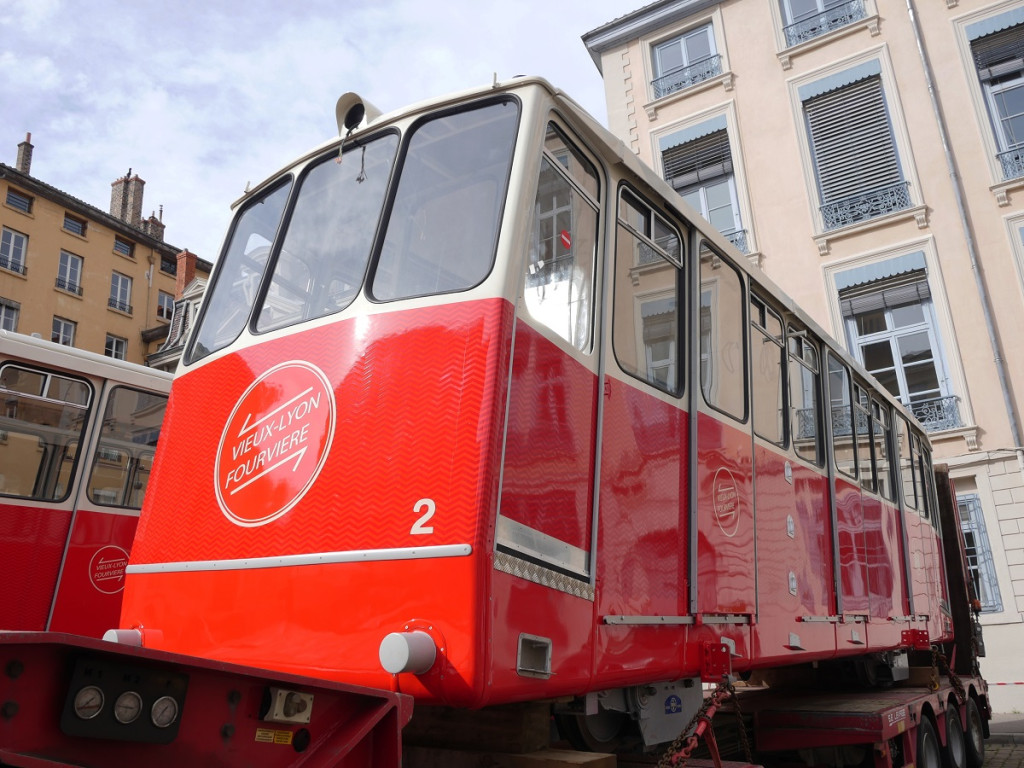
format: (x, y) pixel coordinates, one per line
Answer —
(78, 226)
(114, 344)
(164, 312)
(798, 343)
(12, 240)
(760, 307)
(9, 310)
(706, 362)
(124, 247)
(120, 298)
(70, 267)
(63, 328)
(19, 201)
(662, 43)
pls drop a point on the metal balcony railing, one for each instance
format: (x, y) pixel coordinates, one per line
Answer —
(69, 286)
(867, 205)
(697, 72)
(120, 306)
(1012, 163)
(12, 265)
(738, 237)
(938, 413)
(833, 18)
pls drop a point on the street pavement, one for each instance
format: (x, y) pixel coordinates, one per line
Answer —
(1005, 746)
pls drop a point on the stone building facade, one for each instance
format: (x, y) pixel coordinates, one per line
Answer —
(868, 155)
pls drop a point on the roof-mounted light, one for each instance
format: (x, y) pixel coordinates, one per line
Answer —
(353, 111)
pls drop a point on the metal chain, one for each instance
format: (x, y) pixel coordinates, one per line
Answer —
(954, 679)
(676, 750)
(933, 681)
(739, 721)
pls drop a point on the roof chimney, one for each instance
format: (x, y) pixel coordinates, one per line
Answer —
(126, 199)
(24, 163)
(186, 272)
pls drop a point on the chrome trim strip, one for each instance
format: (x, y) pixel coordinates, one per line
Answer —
(541, 546)
(315, 558)
(648, 620)
(524, 569)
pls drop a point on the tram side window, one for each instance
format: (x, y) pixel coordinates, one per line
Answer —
(881, 436)
(124, 456)
(442, 231)
(767, 361)
(862, 421)
(560, 271)
(841, 410)
(42, 420)
(906, 463)
(805, 418)
(648, 282)
(922, 476)
(326, 246)
(722, 346)
(229, 301)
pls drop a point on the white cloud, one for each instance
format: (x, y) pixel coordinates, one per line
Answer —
(200, 98)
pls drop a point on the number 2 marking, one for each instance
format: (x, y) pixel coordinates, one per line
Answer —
(420, 527)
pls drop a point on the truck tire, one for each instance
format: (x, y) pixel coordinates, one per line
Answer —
(929, 752)
(974, 739)
(955, 753)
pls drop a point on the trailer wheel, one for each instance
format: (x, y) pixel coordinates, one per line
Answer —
(605, 731)
(974, 743)
(929, 753)
(955, 753)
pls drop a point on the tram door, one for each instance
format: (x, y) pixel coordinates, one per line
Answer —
(725, 515)
(545, 521)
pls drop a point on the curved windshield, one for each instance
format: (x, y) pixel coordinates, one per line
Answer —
(231, 299)
(330, 235)
(443, 228)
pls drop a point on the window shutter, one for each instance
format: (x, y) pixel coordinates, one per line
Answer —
(895, 292)
(1000, 53)
(852, 140)
(695, 161)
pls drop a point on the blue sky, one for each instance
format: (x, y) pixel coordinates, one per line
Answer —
(199, 98)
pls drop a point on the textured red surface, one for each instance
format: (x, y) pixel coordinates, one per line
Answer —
(31, 545)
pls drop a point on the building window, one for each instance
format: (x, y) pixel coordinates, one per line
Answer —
(120, 293)
(165, 306)
(853, 148)
(807, 19)
(168, 265)
(698, 163)
(9, 311)
(124, 247)
(560, 272)
(116, 347)
(997, 45)
(63, 331)
(979, 553)
(69, 273)
(19, 201)
(646, 327)
(74, 225)
(685, 60)
(891, 329)
(12, 250)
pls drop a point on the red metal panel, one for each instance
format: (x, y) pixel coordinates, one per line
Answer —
(547, 482)
(31, 545)
(853, 566)
(794, 562)
(88, 600)
(725, 522)
(643, 530)
(885, 572)
(426, 428)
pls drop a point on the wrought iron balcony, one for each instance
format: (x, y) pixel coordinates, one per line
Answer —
(69, 285)
(1012, 163)
(833, 18)
(938, 413)
(12, 265)
(120, 306)
(698, 72)
(867, 205)
(738, 237)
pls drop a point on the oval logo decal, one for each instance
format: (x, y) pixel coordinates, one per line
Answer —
(275, 443)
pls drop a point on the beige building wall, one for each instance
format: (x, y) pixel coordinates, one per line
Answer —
(758, 93)
(117, 247)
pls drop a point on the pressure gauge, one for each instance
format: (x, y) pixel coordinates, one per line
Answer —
(88, 702)
(164, 711)
(127, 707)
